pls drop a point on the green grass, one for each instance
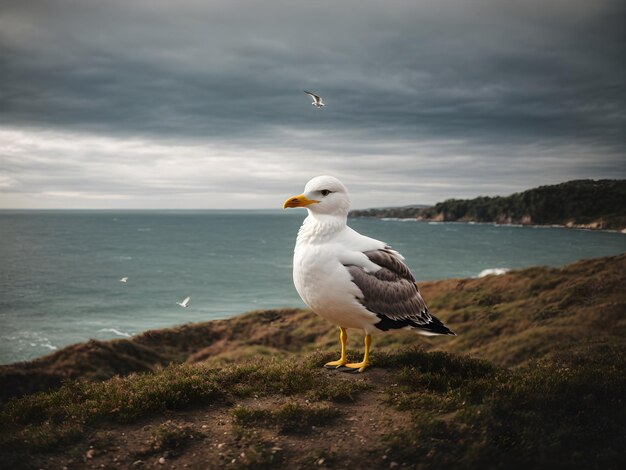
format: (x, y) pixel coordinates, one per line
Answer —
(171, 437)
(291, 417)
(562, 412)
(45, 419)
(547, 415)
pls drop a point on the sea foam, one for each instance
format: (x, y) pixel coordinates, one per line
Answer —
(493, 272)
(117, 332)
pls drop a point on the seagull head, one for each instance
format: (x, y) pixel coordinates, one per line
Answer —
(322, 195)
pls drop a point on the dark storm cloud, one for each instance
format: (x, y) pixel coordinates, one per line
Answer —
(235, 68)
(471, 86)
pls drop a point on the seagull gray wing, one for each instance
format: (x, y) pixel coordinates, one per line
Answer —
(392, 294)
(315, 97)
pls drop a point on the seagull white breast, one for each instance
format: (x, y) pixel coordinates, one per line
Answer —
(322, 279)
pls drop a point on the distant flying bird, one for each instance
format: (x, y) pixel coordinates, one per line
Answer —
(184, 303)
(124, 280)
(352, 280)
(317, 100)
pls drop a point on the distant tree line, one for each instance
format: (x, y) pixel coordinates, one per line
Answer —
(597, 204)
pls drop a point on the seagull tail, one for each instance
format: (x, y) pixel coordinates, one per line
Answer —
(434, 328)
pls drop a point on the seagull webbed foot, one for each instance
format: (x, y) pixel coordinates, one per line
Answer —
(360, 366)
(336, 364)
(354, 367)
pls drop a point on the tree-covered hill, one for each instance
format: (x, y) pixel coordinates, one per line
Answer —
(597, 204)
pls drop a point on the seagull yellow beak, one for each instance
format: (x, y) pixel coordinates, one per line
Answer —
(299, 201)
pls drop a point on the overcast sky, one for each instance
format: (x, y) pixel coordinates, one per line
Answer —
(200, 103)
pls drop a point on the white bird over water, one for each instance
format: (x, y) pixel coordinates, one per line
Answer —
(352, 280)
(185, 302)
(317, 100)
(124, 280)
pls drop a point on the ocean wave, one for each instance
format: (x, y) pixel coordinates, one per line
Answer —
(44, 345)
(34, 339)
(493, 272)
(117, 332)
(398, 219)
(547, 226)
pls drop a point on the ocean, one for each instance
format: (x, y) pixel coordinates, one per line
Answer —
(60, 270)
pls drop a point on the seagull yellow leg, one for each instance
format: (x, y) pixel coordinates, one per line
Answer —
(343, 337)
(365, 362)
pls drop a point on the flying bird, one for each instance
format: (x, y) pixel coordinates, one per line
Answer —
(185, 302)
(124, 280)
(352, 280)
(317, 100)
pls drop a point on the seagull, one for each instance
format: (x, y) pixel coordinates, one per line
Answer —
(184, 303)
(352, 280)
(124, 280)
(317, 100)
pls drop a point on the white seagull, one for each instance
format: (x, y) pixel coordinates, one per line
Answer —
(349, 279)
(124, 280)
(317, 100)
(185, 302)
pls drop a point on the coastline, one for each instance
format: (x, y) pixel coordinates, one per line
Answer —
(584, 227)
(582, 204)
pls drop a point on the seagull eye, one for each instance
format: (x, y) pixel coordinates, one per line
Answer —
(325, 192)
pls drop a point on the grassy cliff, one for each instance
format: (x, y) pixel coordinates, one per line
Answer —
(597, 204)
(534, 378)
